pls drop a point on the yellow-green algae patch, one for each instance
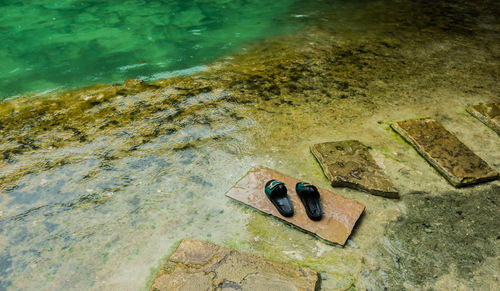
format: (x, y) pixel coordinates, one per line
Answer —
(164, 153)
(154, 270)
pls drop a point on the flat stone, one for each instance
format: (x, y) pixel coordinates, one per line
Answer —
(339, 214)
(488, 114)
(454, 160)
(198, 265)
(348, 163)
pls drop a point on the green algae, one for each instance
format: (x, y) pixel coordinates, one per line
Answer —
(159, 263)
(271, 240)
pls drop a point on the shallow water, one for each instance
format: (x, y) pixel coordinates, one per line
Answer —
(99, 185)
(70, 44)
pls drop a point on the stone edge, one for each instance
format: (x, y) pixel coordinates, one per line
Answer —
(481, 117)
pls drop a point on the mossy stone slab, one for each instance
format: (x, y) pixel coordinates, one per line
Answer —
(488, 114)
(348, 163)
(454, 160)
(199, 265)
(339, 214)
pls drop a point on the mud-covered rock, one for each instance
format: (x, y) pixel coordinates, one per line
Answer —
(454, 160)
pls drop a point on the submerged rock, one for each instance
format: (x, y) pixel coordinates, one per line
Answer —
(444, 227)
(198, 265)
(454, 160)
(349, 163)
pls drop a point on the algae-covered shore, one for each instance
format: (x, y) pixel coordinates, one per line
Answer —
(98, 184)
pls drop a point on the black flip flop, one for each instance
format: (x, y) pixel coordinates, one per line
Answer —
(277, 193)
(309, 196)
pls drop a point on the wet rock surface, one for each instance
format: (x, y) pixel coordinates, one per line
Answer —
(349, 164)
(454, 160)
(198, 265)
(339, 214)
(437, 235)
(488, 114)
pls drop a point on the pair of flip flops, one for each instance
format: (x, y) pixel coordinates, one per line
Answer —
(276, 192)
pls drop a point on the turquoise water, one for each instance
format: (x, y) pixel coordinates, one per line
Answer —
(49, 45)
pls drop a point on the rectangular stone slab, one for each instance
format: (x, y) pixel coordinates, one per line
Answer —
(339, 214)
(455, 161)
(488, 114)
(198, 265)
(348, 163)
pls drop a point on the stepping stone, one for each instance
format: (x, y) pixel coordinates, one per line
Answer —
(488, 114)
(348, 163)
(198, 265)
(339, 214)
(455, 161)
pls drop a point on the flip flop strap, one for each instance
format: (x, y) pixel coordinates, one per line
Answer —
(273, 184)
(305, 184)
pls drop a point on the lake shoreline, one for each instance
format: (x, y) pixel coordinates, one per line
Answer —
(132, 159)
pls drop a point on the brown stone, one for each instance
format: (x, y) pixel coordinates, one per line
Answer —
(198, 265)
(348, 163)
(488, 114)
(454, 160)
(339, 214)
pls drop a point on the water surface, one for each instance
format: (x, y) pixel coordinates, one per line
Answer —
(71, 43)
